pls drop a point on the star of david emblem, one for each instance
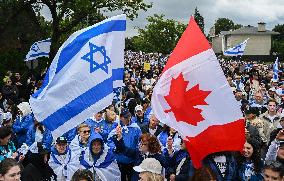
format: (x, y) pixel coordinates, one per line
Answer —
(35, 47)
(94, 65)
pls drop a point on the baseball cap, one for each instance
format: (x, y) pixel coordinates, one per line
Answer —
(149, 165)
(138, 108)
(61, 139)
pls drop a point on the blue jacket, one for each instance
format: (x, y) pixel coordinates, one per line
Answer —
(21, 127)
(70, 135)
(93, 124)
(138, 156)
(147, 112)
(131, 135)
(46, 140)
(245, 168)
(140, 122)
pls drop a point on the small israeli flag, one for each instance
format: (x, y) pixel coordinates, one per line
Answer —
(237, 50)
(39, 49)
(275, 70)
(81, 78)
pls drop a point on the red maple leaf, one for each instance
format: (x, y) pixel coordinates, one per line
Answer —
(182, 102)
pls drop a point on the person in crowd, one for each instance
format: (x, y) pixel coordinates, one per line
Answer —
(81, 141)
(252, 121)
(10, 91)
(149, 147)
(150, 169)
(37, 168)
(100, 160)
(152, 127)
(179, 162)
(3, 102)
(250, 164)
(170, 132)
(110, 123)
(276, 131)
(238, 83)
(273, 170)
(38, 133)
(222, 164)
(96, 123)
(17, 81)
(258, 102)
(139, 117)
(63, 162)
(271, 117)
(276, 148)
(146, 107)
(10, 170)
(131, 133)
(82, 175)
(7, 147)
(23, 121)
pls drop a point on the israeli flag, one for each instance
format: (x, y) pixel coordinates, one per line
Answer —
(39, 49)
(275, 70)
(237, 50)
(81, 78)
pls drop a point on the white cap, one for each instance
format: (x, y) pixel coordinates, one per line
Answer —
(149, 165)
(138, 108)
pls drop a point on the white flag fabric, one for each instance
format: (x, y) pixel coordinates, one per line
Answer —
(275, 70)
(237, 50)
(39, 49)
(81, 78)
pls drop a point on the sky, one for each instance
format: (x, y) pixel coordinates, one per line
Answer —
(245, 12)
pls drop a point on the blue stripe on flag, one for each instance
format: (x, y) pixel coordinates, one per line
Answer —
(234, 53)
(72, 49)
(117, 74)
(39, 54)
(78, 105)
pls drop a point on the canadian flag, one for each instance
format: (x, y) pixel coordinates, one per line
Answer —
(193, 96)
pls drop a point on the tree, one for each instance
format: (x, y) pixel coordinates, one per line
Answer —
(160, 35)
(199, 19)
(223, 24)
(278, 40)
(71, 15)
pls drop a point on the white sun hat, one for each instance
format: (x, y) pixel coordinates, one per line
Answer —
(149, 165)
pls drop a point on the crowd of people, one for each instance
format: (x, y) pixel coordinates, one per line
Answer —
(127, 142)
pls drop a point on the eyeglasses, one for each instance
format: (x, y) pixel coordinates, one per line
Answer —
(143, 144)
(86, 131)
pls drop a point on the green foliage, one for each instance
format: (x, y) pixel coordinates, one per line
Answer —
(199, 19)
(160, 35)
(278, 40)
(225, 24)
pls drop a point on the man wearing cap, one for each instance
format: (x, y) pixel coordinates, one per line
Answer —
(149, 169)
(139, 117)
(62, 160)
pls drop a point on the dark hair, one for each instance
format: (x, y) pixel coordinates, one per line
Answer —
(153, 143)
(272, 100)
(82, 174)
(255, 157)
(275, 166)
(204, 173)
(7, 164)
(5, 131)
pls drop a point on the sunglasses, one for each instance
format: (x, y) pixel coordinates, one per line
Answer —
(86, 131)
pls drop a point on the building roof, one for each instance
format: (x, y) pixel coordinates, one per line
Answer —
(248, 30)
